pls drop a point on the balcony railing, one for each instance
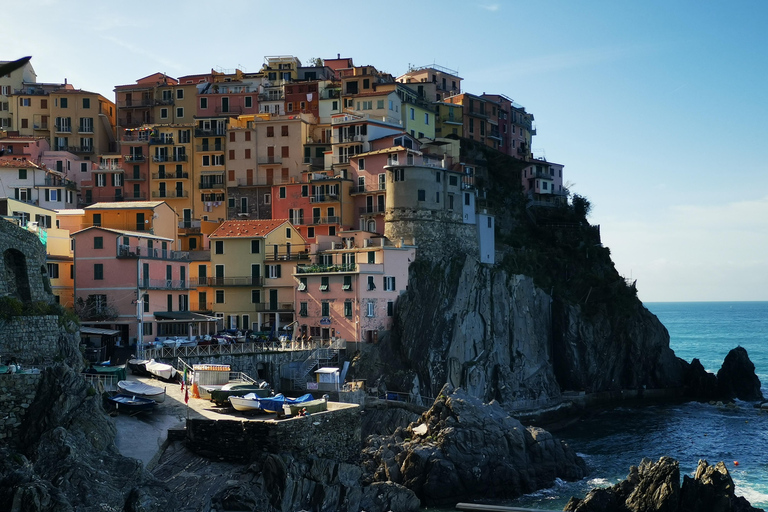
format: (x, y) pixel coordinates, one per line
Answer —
(317, 269)
(191, 226)
(326, 220)
(287, 256)
(134, 158)
(144, 102)
(210, 147)
(362, 189)
(324, 198)
(372, 209)
(273, 306)
(136, 251)
(210, 132)
(317, 161)
(212, 184)
(201, 306)
(170, 175)
(135, 177)
(237, 110)
(165, 284)
(270, 159)
(161, 140)
(271, 97)
(235, 281)
(170, 158)
(169, 194)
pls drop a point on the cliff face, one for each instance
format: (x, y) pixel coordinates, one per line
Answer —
(499, 336)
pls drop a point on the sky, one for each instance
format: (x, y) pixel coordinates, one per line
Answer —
(656, 108)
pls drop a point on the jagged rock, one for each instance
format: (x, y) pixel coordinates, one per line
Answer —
(463, 449)
(700, 384)
(736, 377)
(655, 486)
(384, 496)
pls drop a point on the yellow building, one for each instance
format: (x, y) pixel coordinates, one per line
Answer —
(449, 121)
(154, 217)
(252, 263)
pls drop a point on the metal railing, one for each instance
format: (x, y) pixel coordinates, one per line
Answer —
(235, 281)
(317, 269)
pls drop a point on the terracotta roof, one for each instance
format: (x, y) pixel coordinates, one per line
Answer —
(14, 163)
(247, 228)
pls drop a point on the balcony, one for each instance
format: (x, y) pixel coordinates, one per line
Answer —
(271, 96)
(287, 256)
(371, 209)
(235, 281)
(170, 175)
(165, 284)
(201, 306)
(135, 123)
(109, 167)
(212, 184)
(367, 189)
(63, 128)
(190, 226)
(134, 158)
(270, 160)
(209, 147)
(170, 194)
(136, 251)
(40, 126)
(210, 132)
(164, 101)
(135, 177)
(319, 269)
(161, 140)
(324, 198)
(326, 220)
(170, 158)
(273, 306)
(78, 149)
(144, 102)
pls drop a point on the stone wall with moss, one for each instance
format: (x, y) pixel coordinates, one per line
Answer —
(23, 272)
(36, 340)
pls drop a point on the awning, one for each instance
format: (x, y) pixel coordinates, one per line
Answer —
(187, 316)
(96, 330)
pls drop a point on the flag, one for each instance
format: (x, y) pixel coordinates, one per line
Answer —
(185, 387)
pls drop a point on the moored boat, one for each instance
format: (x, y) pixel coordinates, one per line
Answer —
(131, 404)
(138, 366)
(161, 370)
(310, 407)
(221, 396)
(272, 404)
(140, 389)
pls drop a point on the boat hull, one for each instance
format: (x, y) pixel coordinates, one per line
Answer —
(221, 396)
(131, 404)
(161, 370)
(135, 388)
(309, 407)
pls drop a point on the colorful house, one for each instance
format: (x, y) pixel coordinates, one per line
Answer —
(251, 282)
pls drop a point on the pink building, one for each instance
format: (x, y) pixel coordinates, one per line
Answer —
(116, 268)
(543, 183)
(350, 287)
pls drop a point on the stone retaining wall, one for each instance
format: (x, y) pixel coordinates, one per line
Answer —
(333, 434)
(31, 340)
(17, 392)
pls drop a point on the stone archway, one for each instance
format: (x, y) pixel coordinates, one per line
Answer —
(16, 276)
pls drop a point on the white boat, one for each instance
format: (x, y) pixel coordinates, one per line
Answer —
(137, 388)
(161, 370)
(249, 402)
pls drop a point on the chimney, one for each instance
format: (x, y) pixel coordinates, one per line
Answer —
(338, 56)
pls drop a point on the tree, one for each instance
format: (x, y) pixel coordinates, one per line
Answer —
(581, 206)
(316, 62)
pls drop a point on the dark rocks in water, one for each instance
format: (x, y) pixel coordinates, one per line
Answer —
(655, 486)
(462, 448)
(736, 377)
(700, 384)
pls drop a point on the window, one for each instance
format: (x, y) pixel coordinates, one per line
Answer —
(248, 101)
(163, 113)
(426, 118)
(273, 271)
(390, 308)
(437, 197)
(98, 271)
(282, 193)
(203, 103)
(219, 247)
(98, 242)
(285, 151)
(324, 286)
(284, 130)
(302, 284)
(371, 285)
(145, 302)
(413, 114)
(389, 283)
(325, 308)
(288, 232)
(422, 194)
(466, 199)
(219, 296)
(453, 181)
(399, 174)
(63, 103)
(86, 124)
(370, 309)
(255, 247)
(179, 111)
(270, 131)
(83, 166)
(303, 309)
(347, 286)
(348, 308)
(267, 198)
(53, 270)
(179, 94)
(255, 296)
(22, 174)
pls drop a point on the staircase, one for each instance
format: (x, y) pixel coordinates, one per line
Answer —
(324, 355)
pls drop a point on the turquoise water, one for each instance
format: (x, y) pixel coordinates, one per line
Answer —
(611, 441)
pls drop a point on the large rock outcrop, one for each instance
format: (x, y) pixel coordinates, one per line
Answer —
(655, 486)
(462, 449)
(736, 377)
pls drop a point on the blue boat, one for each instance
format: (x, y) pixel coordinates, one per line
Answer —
(273, 404)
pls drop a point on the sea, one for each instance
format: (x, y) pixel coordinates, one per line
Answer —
(610, 441)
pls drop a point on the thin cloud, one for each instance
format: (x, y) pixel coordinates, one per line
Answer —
(491, 7)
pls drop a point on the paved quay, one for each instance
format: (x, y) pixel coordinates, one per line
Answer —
(143, 436)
